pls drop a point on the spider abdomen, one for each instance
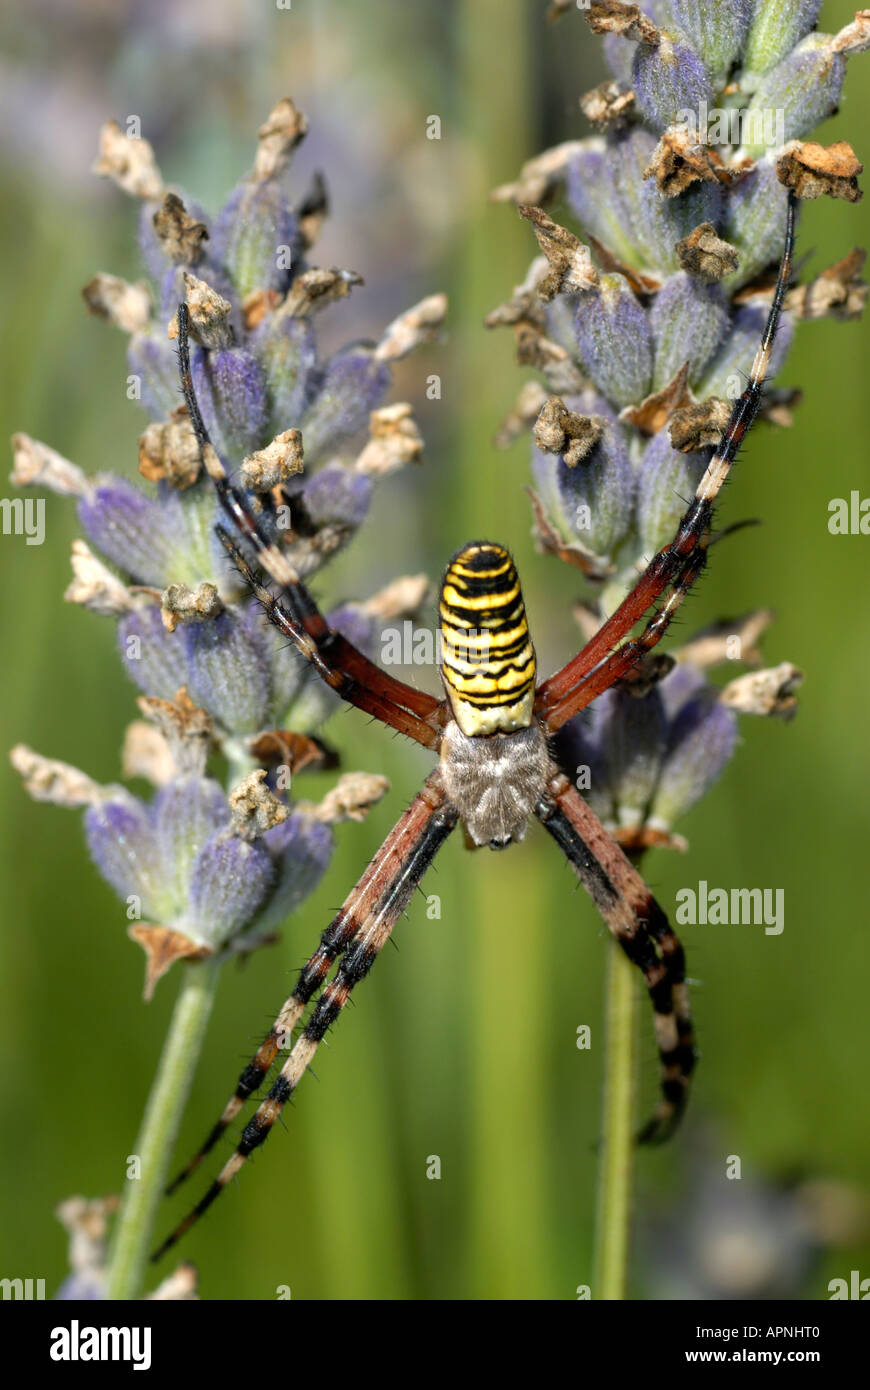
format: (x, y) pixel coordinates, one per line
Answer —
(495, 783)
(487, 658)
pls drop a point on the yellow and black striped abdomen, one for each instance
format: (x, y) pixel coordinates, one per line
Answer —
(487, 658)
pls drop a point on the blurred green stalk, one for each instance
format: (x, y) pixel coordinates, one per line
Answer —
(615, 1171)
(178, 1062)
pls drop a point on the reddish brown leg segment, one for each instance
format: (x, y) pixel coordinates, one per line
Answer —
(643, 932)
(357, 934)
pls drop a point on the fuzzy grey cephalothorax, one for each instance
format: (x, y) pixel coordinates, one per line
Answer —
(495, 781)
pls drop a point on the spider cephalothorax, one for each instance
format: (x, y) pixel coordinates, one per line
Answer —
(495, 771)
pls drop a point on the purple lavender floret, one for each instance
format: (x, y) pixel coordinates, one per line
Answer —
(179, 860)
(651, 759)
(210, 868)
(666, 279)
(666, 83)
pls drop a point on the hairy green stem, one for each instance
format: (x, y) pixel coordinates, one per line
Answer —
(616, 1163)
(133, 1232)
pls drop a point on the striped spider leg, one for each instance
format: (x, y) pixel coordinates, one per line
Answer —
(642, 930)
(493, 782)
(342, 665)
(492, 734)
(360, 930)
(677, 565)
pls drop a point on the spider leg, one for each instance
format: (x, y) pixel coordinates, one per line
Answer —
(642, 930)
(361, 929)
(361, 679)
(677, 565)
(312, 976)
(369, 698)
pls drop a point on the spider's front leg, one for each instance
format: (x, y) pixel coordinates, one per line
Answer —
(357, 935)
(643, 932)
(342, 665)
(677, 566)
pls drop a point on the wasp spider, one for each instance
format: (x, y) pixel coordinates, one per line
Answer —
(495, 769)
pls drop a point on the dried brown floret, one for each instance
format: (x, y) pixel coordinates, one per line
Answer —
(209, 315)
(417, 325)
(275, 465)
(838, 291)
(607, 105)
(278, 137)
(188, 730)
(395, 440)
(129, 161)
(180, 234)
(181, 605)
(699, 425)
(656, 409)
(571, 267)
(814, 170)
(35, 464)
(540, 177)
(679, 160)
(351, 798)
(613, 17)
(769, 692)
(127, 306)
(729, 639)
(163, 946)
(705, 255)
(254, 807)
(168, 451)
(315, 288)
(559, 430)
(94, 586)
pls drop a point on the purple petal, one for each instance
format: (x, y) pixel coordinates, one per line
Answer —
(131, 530)
(701, 742)
(615, 341)
(185, 814)
(121, 844)
(255, 236)
(679, 686)
(613, 201)
(231, 389)
(301, 848)
(805, 88)
(228, 672)
(153, 360)
(667, 84)
(232, 881)
(666, 486)
(688, 321)
(353, 384)
(337, 496)
(716, 32)
(154, 658)
(755, 223)
(634, 735)
(727, 374)
(287, 349)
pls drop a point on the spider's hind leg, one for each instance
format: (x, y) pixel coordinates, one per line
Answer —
(357, 934)
(643, 933)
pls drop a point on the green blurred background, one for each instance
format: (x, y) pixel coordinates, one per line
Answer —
(462, 1043)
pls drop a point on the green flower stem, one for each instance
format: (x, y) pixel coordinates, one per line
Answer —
(132, 1237)
(615, 1171)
